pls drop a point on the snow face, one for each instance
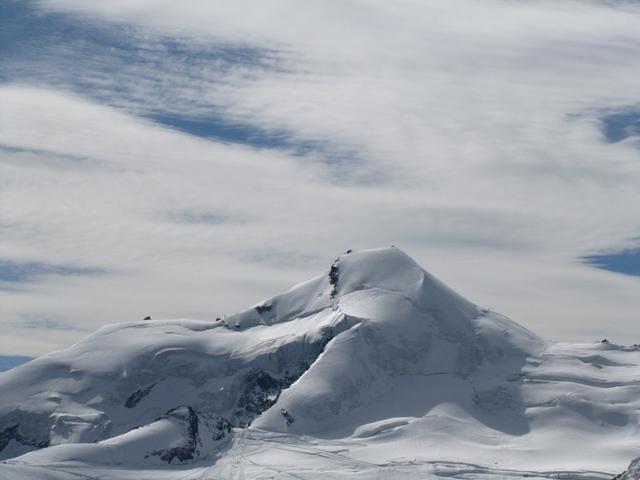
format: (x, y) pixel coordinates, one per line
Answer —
(373, 368)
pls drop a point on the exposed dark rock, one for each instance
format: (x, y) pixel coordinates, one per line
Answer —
(288, 417)
(260, 393)
(195, 427)
(13, 433)
(220, 427)
(187, 450)
(138, 395)
(264, 308)
(8, 434)
(147, 317)
(334, 276)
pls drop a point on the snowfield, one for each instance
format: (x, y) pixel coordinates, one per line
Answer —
(374, 369)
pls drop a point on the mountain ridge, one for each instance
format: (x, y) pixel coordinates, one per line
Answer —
(375, 352)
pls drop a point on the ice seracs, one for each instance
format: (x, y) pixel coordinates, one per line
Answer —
(375, 359)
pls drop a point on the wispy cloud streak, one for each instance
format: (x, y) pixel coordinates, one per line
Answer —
(209, 157)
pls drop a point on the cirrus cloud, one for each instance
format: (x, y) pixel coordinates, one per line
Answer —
(205, 157)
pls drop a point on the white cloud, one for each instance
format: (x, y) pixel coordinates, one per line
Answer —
(476, 142)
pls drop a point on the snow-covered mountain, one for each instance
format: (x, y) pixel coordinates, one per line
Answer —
(374, 369)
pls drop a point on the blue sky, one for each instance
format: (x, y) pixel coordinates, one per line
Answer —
(621, 125)
(9, 362)
(14, 272)
(625, 261)
(190, 160)
(77, 54)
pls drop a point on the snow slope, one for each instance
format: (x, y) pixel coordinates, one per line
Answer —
(373, 369)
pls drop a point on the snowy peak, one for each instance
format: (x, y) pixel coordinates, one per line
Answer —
(374, 364)
(407, 324)
(372, 273)
(370, 282)
(390, 269)
(316, 359)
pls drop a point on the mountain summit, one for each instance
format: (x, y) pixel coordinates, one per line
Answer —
(375, 358)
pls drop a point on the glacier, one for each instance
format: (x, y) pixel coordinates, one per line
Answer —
(374, 369)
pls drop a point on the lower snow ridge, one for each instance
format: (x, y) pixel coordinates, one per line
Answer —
(179, 436)
(374, 368)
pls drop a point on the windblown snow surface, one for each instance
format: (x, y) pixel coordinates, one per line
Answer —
(373, 370)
